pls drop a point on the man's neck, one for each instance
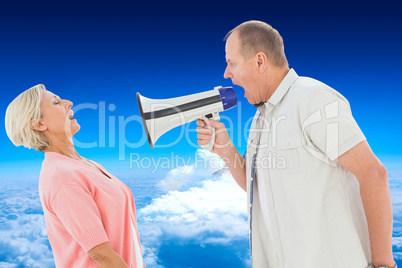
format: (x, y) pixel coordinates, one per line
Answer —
(274, 80)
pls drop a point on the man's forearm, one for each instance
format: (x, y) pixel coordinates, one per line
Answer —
(376, 199)
(237, 166)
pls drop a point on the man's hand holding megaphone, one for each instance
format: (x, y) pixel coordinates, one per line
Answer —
(224, 148)
(222, 144)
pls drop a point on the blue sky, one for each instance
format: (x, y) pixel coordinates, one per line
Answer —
(98, 54)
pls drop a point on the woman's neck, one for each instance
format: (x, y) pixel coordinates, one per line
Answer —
(65, 148)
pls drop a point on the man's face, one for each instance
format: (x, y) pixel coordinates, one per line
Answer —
(241, 71)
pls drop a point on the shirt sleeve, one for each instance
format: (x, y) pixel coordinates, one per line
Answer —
(330, 125)
(80, 215)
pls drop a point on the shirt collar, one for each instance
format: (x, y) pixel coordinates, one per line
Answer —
(283, 87)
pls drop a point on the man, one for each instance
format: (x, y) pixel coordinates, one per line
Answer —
(318, 196)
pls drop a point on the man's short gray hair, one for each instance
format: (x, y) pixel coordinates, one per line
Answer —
(22, 113)
(257, 36)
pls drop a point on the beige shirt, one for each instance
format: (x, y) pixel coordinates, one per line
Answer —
(307, 210)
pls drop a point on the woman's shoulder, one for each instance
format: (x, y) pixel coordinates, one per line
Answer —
(49, 170)
(57, 170)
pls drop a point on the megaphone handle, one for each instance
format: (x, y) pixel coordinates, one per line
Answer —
(210, 146)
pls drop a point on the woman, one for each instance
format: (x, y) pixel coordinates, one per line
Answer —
(90, 214)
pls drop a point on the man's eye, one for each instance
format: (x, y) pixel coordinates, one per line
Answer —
(57, 102)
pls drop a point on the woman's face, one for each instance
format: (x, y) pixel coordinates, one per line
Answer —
(57, 120)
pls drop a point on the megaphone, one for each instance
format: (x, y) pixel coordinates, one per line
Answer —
(160, 116)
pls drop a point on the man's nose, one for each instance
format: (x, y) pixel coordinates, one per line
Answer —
(227, 74)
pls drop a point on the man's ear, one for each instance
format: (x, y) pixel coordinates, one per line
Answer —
(262, 61)
(39, 125)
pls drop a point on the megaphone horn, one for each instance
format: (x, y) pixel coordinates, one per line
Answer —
(160, 116)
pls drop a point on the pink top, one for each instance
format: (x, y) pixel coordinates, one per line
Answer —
(84, 208)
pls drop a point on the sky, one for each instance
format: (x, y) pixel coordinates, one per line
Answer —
(99, 54)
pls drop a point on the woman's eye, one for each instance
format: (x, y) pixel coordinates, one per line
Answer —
(56, 102)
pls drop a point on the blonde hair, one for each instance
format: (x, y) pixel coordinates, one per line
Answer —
(22, 113)
(257, 36)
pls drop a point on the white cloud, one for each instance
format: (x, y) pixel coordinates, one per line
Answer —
(396, 196)
(23, 239)
(177, 178)
(205, 164)
(217, 206)
(213, 212)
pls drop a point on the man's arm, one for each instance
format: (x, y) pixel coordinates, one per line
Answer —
(376, 197)
(237, 166)
(224, 148)
(104, 256)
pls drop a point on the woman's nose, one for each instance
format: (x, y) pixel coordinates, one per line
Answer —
(69, 104)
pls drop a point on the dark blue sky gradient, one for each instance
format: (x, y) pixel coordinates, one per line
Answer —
(92, 52)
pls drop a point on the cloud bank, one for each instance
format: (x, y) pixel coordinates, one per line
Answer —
(23, 239)
(202, 222)
(194, 217)
(396, 196)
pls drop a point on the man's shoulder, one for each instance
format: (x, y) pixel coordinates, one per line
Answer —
(310, 86)
(306, 89)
